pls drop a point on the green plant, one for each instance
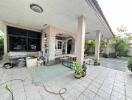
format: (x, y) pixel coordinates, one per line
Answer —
(96, 63)
(9, 90)
(123, 53)
(103, 45)
(130, 64)
(89, 46)
(105, 55)
(84, 69)
(113, 55)
(121, 46)
(77, 68)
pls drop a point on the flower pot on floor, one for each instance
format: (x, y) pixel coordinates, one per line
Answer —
(83, 73)
(77, 76)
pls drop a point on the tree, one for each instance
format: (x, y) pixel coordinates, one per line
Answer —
(128, 36)
(121, 48)
(89, 46)
(121, 28)
(120, 43)
(103, 45)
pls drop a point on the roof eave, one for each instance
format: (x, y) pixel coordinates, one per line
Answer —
(95, 3)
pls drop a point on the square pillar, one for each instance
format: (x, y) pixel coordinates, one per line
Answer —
(81, 39)
(51, 45)
(97, 45)
(3, 28)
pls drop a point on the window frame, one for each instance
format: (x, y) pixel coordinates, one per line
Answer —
(59, 44)
(27, 40)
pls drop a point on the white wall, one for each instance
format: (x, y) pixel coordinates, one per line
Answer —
(3, 28)
(52, 32)
(130, 51)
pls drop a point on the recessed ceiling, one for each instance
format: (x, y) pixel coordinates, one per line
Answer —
(59, 13)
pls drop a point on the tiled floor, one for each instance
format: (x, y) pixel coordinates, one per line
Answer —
(100, 84)
(116, 64)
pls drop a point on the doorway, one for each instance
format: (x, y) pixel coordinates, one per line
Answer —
(69, 46)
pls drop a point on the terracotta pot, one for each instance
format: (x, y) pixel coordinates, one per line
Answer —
(78, 76)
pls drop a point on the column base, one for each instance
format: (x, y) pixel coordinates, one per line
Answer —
(96, 63)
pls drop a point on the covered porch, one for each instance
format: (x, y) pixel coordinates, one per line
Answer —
(57, 21)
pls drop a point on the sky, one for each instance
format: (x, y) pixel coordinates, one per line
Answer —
(117, 12)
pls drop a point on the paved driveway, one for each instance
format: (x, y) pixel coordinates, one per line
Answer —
(116, 64)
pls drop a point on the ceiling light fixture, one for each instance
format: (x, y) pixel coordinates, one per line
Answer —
(36, 8)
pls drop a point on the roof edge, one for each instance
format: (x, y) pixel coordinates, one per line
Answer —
(96, 4)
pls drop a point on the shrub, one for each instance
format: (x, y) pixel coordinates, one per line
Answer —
(113, 55)
(130, 64)
(105, 55)
(96, 63)
(121, 47)
(89, 47)
(123, 53)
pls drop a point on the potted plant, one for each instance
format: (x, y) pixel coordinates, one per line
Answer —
(130, 64)
(77, 70)
(96, 63)
(84, 68)
(105, 55)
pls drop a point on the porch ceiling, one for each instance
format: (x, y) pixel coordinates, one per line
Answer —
(59, 13)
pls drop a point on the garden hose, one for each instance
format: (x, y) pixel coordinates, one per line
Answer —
(60, 92)
(9, 90)
(7, 87)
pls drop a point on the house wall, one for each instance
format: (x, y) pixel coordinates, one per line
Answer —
(23, 54)
(130, 51)
(52, 31)
(3, 28)
(58, 51)
(110, 49)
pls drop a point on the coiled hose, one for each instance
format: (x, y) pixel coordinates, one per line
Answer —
(60, 92)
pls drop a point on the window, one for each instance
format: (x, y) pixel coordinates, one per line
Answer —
(23, 40)
(17, 44)
(59, 44)
(33, 44)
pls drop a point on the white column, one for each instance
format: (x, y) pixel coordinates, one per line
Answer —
(97, 45)
(3, 28)
(51, 44)
(81, 39)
